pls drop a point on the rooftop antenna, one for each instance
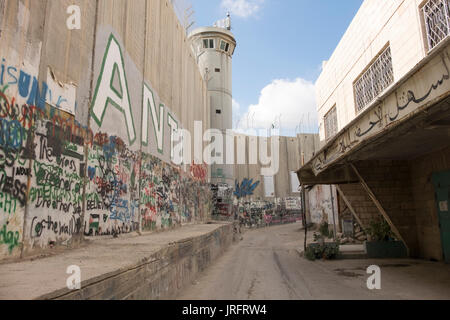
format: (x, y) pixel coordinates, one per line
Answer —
(228, 21)
(224, 23)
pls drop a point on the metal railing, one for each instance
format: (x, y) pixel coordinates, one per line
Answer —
(436, 18)
(378, 77)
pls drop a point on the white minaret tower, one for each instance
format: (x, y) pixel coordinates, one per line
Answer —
(213, 48)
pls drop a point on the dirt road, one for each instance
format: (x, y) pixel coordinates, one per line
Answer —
(265, 265)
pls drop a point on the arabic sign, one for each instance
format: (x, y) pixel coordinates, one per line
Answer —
(430, 82)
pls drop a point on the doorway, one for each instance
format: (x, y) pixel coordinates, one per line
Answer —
(441, 181)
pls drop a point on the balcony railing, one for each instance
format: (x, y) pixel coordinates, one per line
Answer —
(436, 18)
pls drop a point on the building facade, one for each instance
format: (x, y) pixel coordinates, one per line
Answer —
(382, 44)
(383, 101)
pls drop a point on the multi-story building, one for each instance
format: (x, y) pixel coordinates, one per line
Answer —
(383, 43)
(383, 101)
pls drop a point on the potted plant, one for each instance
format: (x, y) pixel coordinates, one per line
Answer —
(321, 249)
(382, 242)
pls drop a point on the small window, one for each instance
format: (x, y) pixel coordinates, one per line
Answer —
(218, 111)
(224, 46)
(208, 43)
(217, 69)
(331, 125)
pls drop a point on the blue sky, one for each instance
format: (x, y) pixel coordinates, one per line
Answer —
(281, 47)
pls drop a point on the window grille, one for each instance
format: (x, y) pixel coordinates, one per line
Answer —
(436, 18)
(378, 77)
(331, 125)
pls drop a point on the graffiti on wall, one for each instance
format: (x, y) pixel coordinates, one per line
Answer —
(55, 193)
(245, 188)
(75, 181)
(40, 165)
(34, 94)
(112, 191)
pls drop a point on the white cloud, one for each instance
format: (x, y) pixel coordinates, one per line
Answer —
(242, 8)
(289, 103)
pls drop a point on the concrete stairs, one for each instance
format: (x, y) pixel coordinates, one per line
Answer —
(352, 252)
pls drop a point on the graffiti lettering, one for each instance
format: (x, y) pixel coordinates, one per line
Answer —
(246, 188)
(9, 238)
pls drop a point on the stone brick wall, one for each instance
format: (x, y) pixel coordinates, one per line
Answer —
(391, 183)
(406, 192)
(361, 203)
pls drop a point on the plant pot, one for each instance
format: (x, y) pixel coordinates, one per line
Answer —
(322, 248)
(385, 249)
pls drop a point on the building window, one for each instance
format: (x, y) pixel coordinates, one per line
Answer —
(217, 69)
(331, 123)
(208, 43)
(269, 187)
(224, 46)
(436, 19)
(378, 76)
(218, 111)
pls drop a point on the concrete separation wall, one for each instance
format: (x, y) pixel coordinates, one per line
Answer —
(86, 119)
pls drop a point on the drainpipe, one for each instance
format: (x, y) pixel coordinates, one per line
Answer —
(333, 211)
(305, 223)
